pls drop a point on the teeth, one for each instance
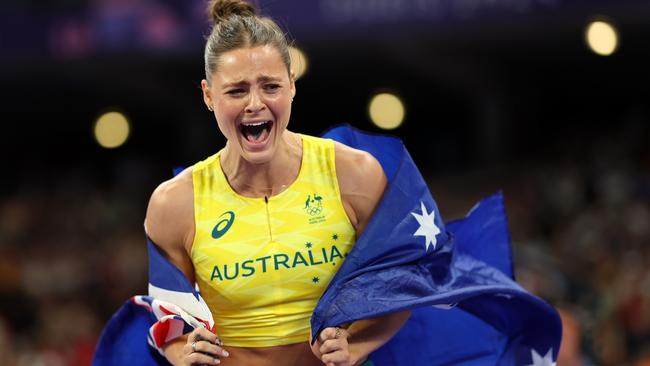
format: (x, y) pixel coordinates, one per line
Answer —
(253, 131)
(255, 123)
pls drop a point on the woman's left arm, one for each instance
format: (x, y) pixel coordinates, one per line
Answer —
(362, 183)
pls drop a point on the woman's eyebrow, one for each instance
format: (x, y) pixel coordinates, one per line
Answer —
(232, 84)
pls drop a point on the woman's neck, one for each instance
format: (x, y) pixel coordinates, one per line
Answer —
(265, 179)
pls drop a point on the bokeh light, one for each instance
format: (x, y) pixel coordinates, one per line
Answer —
(602, 38)
(386, 111)
(299, 61)
(112, 130)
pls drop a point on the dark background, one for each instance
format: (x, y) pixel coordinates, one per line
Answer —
(499, 94)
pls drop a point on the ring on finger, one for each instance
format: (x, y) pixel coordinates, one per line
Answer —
(337, 334)
(194, 346)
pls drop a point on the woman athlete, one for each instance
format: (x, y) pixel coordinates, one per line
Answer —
(263, 225)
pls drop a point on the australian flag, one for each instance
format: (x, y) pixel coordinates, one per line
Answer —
(456, 278)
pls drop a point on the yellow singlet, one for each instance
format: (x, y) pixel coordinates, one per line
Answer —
(262, 263)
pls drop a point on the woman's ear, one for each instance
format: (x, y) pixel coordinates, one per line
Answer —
(292, 78)
(207, 95)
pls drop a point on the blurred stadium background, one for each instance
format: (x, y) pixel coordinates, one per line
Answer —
(497, 94)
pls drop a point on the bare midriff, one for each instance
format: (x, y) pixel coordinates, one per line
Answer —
(290, 354)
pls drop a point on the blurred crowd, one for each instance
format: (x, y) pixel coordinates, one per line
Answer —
(581, 226)
(72, 253)
(579, 216)
(69, 256)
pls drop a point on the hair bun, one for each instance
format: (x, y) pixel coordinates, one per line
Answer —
(221, 10)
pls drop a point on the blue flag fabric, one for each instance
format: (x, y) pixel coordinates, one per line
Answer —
(457, 280)
(124, 339)
(458, 277)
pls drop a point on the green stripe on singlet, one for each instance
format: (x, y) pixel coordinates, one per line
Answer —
(367, 363)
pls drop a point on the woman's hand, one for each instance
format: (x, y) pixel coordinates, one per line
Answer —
(202, 348)
(332, 347)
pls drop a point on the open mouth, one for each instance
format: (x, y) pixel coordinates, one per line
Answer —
(256, 132)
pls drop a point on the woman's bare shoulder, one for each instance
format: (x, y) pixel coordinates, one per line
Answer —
(361, 180)
(170, 213)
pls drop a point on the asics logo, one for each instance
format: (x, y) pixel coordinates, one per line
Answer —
(223, 225)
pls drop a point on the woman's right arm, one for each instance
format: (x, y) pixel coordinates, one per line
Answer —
(170, 220)
(170, 224)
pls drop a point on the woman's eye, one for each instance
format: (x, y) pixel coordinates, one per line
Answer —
(236, 92)
(272, 87)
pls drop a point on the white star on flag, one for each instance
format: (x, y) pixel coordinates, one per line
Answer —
(538, 360)
(427, 228)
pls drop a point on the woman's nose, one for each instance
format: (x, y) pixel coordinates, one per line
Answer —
(255, 103)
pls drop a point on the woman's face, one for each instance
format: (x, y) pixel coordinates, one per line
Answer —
(251, 94)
